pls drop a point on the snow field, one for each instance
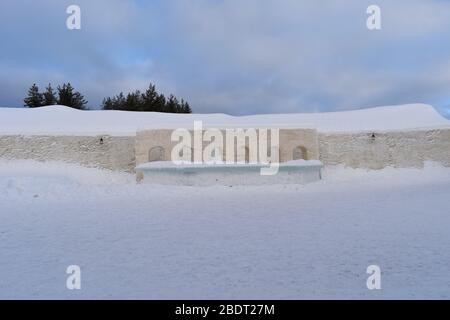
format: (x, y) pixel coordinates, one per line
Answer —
(263, 242)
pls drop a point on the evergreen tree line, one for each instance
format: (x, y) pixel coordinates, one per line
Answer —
(64, 95)
(150, 100)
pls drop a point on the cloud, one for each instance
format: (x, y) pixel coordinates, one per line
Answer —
(238, 57)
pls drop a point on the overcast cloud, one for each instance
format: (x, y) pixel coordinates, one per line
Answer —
(232, 56)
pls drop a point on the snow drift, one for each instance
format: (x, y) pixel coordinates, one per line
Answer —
(60, 120)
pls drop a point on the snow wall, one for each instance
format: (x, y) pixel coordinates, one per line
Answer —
(376, 150)
(114, 153)
(373, 150)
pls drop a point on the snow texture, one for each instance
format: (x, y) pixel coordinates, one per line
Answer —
(266, 242)
(59, 120)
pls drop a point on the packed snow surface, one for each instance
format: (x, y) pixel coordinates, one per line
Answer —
(188, 165)
(65, 121)
(267, 242)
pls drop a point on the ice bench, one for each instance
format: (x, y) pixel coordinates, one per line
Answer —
(168, 173)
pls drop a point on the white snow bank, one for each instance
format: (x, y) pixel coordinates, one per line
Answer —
(91, 176)
(65, 121)
(189, 165)
(63, 171)
(267, 242)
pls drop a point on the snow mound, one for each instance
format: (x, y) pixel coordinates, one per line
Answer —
(71, 173)
(266, 242)
(60, 120)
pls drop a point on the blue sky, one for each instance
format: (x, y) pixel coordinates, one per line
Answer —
(232, 56)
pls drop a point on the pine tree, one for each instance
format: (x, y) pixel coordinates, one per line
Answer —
(70, 98)
(65, 95)
(185, 107)
(34, 99)
(149, 99)
(49, 96)
(119, 102)
(78, 101)
(160, 103)
(172, 104)
(133, 101)
(107, 104)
